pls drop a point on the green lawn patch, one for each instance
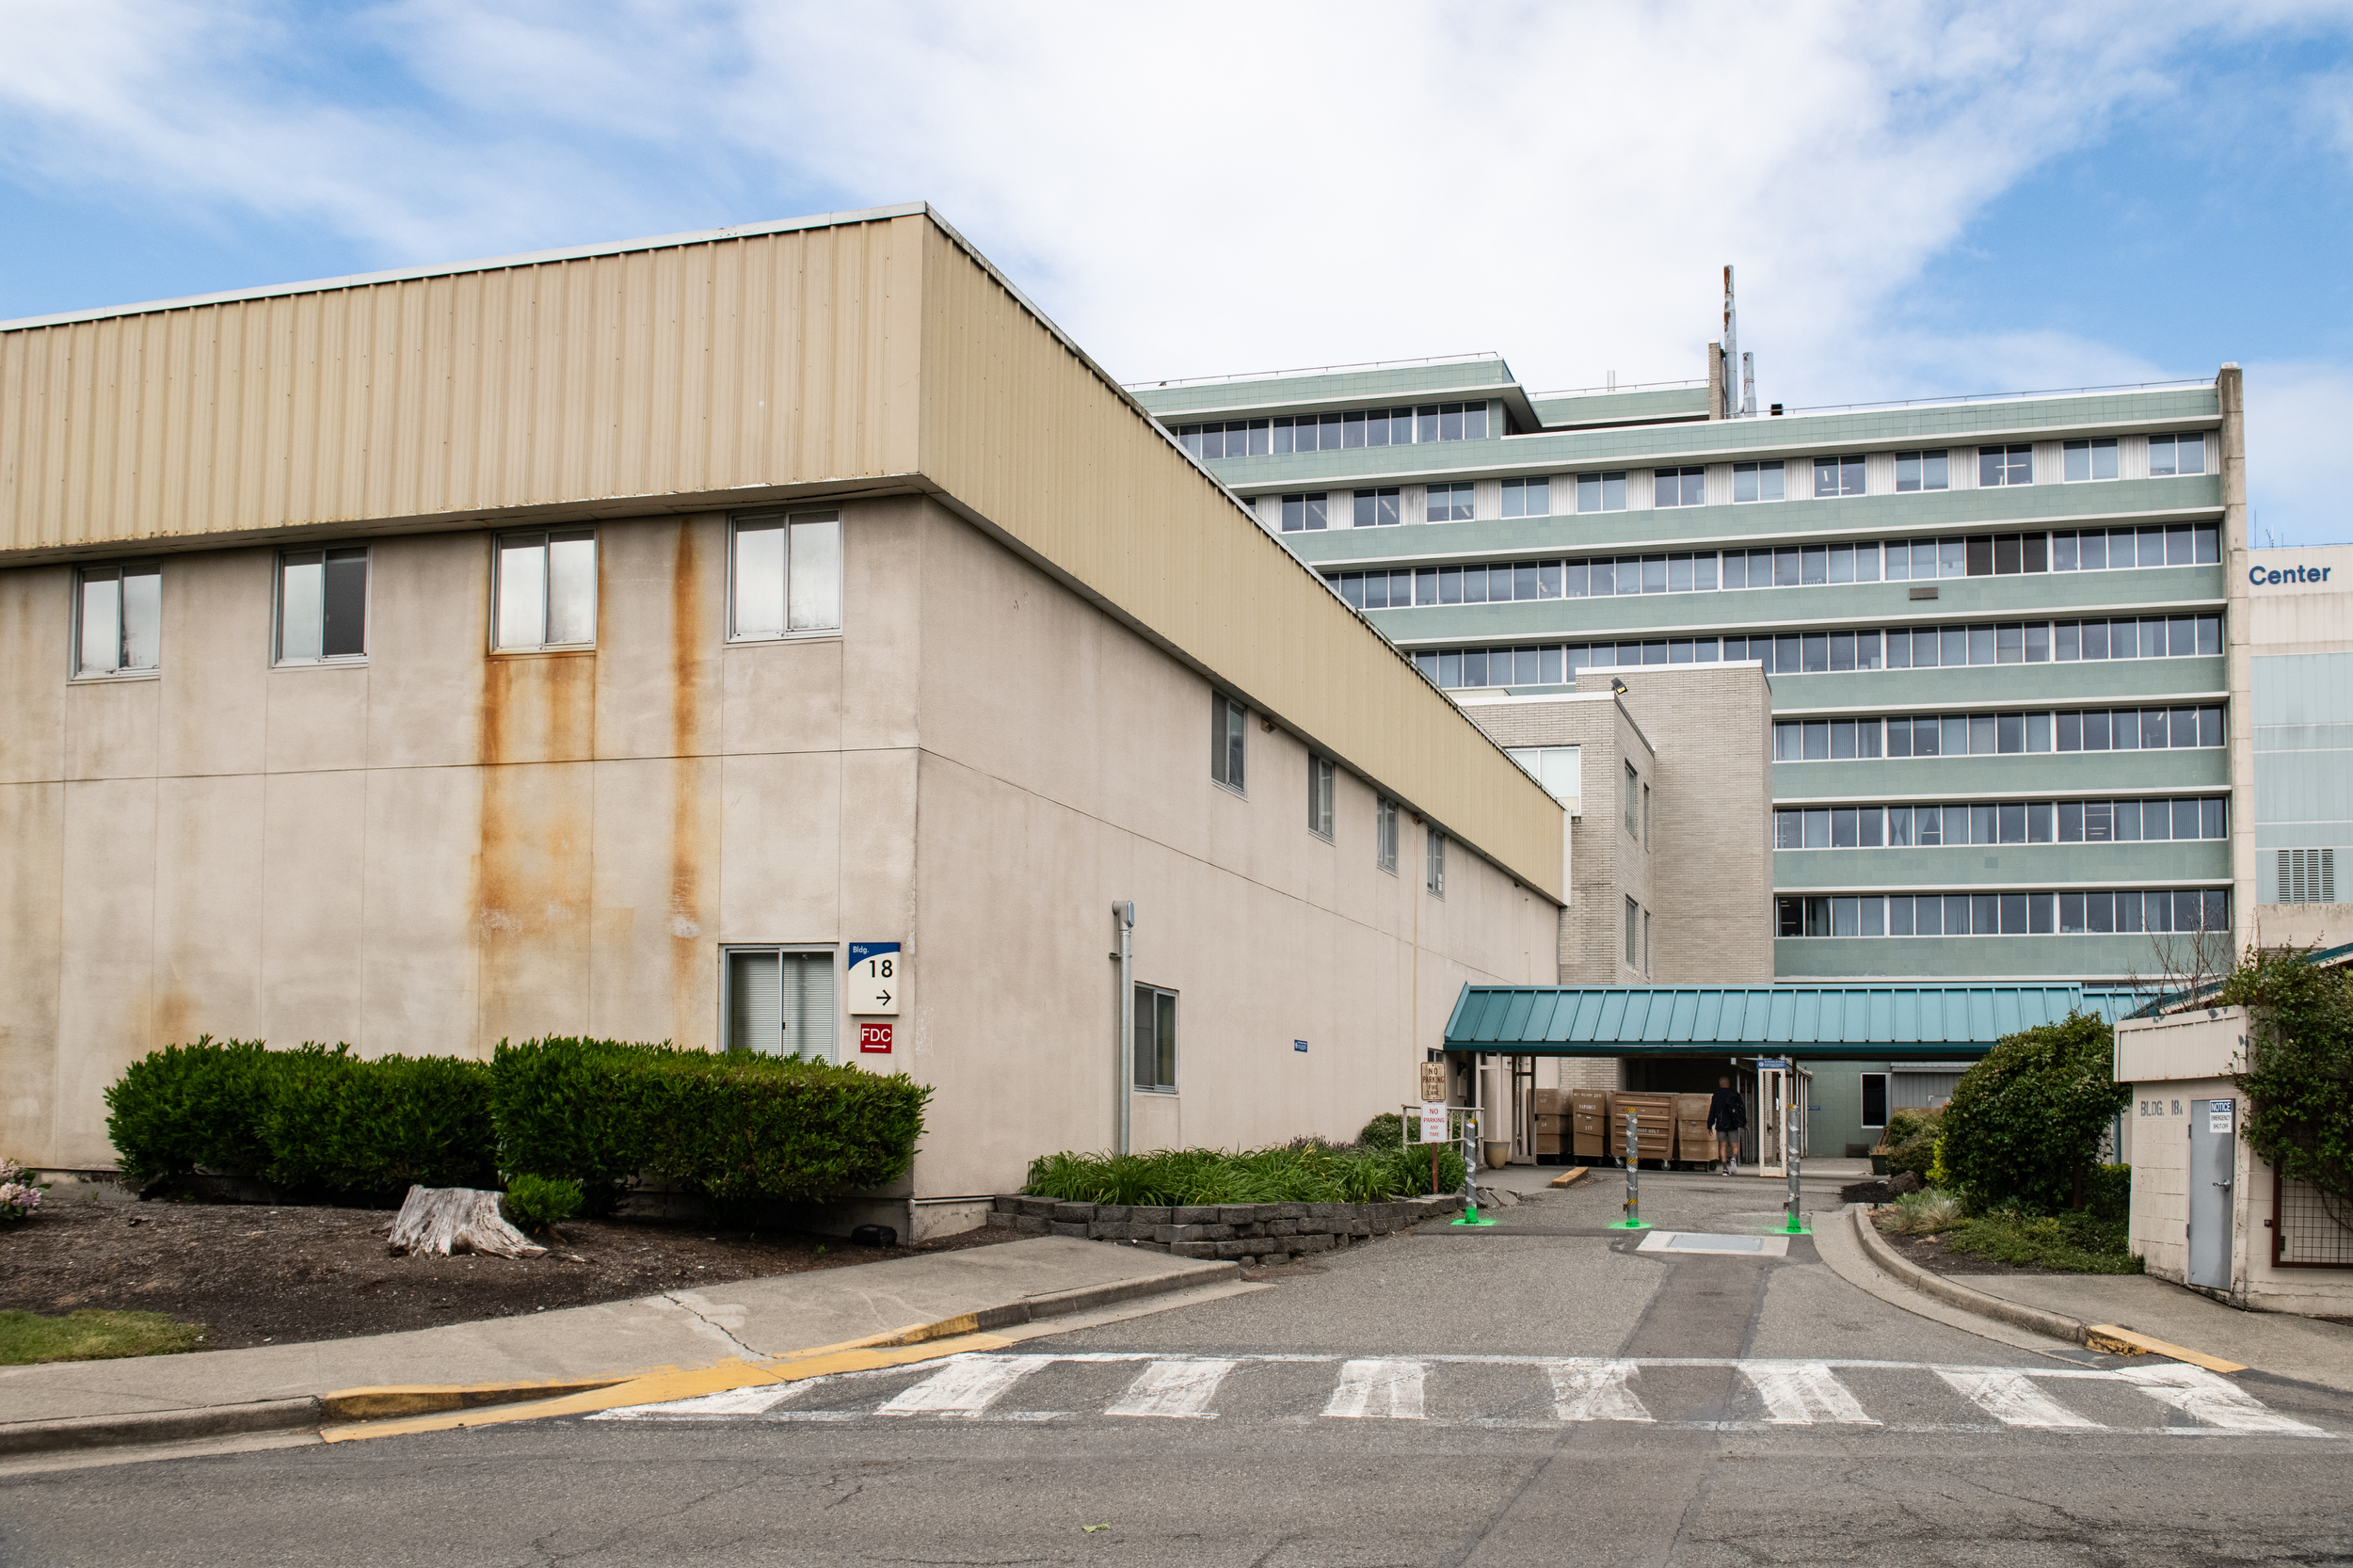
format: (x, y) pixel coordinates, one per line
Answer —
(27, 1337)
(2075, 1241)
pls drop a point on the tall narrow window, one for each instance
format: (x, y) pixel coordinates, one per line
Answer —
(121, 610)
(1225, 741)
(546, 590)
(322, 606)
(780, 1002)
(785, 576)
(1385, 835)
(1633, 805)
(1156, 1040)
(1434, 871)
(1319, 795)
(1633, 933)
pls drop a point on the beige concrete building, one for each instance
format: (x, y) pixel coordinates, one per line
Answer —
(606, 641)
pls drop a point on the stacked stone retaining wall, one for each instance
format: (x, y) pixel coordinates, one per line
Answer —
(1246, 1232)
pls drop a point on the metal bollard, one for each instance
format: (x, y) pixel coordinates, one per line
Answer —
(1796, 1225)
(1633, 1177)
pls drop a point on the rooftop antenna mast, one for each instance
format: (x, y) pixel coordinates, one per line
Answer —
(1746, 405)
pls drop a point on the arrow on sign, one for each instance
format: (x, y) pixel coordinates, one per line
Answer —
(883, 997)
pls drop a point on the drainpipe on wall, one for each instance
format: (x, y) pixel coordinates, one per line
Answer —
(1123, 1065)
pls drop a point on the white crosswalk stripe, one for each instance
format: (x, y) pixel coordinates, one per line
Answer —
(964, 1387)
(1719, 1394)
(2012, 1399)
(2201, 1396)
(1798, 1393)
(1171, 1388)
(1389, 1390)
(1594, 1390)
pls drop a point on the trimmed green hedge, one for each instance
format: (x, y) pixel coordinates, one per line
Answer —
(2023, 1125)
(738, 1128)
(1304, 1172)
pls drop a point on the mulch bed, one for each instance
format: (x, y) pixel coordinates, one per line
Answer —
(1939, 1258)
(257, 1276)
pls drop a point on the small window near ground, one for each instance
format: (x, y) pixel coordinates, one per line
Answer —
(546, 591)
(780, 1002)
(785, 576)
(1385, 835)
(322, 606)
(120, 612)
(1225, 741)
(1156, 1040)
(1874, 1099)
(1320, 774)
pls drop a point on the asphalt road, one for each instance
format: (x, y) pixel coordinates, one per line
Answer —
(1538, 1394)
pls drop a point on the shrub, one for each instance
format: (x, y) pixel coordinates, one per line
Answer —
(1304, 1172)
(738, 1128)
(20, 1194)
(2024, 1123)
(535, 1203)
(186, 1108)
(1384, 1132)
(336, 1122)
(1912, 1141)
(2079, 1242)
(2299, 1080)
(1926, 1214)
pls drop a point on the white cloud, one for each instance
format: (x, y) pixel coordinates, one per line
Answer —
(2295, 452)
(1221, 188)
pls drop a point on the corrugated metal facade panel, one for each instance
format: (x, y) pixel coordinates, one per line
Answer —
(772, 360)
(1025, 433)
(1806, 1020)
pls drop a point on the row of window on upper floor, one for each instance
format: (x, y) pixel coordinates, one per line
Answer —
(1967, 825)
(1898, 647)
(1847, 474)
(1998, 735)
(784, 580)
(1791, 566)
(2057, 913)
(1230, 766)
(1404, 426)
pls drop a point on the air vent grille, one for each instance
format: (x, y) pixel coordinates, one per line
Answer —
(2308, 875)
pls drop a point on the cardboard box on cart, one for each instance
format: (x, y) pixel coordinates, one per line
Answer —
(1588, 1109)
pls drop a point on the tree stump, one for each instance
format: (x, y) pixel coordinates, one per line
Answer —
(447, 1219)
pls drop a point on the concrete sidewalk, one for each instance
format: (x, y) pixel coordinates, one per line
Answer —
(752, 1319)
(2309, 1349)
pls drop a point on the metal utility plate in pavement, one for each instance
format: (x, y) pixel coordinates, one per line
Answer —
(1731, 1246)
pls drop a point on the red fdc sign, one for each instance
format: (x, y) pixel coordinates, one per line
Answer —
(874, 1039)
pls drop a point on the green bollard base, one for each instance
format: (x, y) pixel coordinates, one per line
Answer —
(1795, 1227)
(1629, 1224)
(1470, 1217)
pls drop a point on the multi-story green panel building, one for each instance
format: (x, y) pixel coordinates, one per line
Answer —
(1998, 632)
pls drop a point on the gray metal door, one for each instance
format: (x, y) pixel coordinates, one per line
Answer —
(2213, 1159)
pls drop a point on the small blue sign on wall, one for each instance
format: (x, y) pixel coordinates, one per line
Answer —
(1299, 1045)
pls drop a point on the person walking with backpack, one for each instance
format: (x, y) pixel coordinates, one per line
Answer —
(1726, 1115)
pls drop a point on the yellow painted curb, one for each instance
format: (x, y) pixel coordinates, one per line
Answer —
(2109, 1337)
(1571, 1175)
(422, 1399)
(661, 1384)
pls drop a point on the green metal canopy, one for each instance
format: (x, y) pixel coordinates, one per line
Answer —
(1816, 1022)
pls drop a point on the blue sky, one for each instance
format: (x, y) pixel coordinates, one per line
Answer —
(1923, 199)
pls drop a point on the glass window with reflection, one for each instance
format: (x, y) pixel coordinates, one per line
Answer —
(322, 606)
(119, 611)
(786, 575)
(546, 590)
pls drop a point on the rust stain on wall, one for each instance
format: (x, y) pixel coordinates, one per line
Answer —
(687, 945)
